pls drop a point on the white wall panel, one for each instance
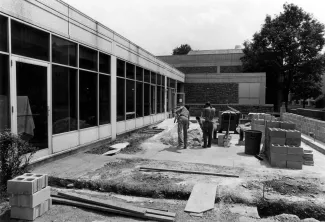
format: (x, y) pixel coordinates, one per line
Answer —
(105, 131)
(146, 120)
(88, 135)
(65, 141)
(130, 125)
(254, 89)
(120, 127)
(121, 52)
(121, 40)
(83, 36)
(243, 89)
(139, 122)
(35, 14)
(83, 20)
(104, 45)
(106, 32)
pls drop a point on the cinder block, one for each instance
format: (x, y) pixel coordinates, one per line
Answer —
(294, 164)
(220, 140)
(30, 201)
(293, 141)
(295, 157)
(28, 183)
(259, 122)
(260, 128)
(279, 163)
(295, 150)
(272, 124)
(276, 148)
(287, 125)
(278, 133)
(280, 141)
(278, 156)
(26, 213)
(293, 134)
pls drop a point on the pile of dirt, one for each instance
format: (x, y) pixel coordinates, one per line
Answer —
(170, 136)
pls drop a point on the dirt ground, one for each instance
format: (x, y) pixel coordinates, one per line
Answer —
(270, 193)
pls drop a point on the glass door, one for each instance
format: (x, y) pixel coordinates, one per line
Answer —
(31, 102)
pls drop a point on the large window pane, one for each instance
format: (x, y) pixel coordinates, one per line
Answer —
(87, 99)
(153, 78)
(163, 99)
(158, 79)
(3, 33)
(104, 99)
(4, 93)
(64, 51)
(172, 83)
(158, 99)
(153, 99)
(104, 63)
(147, 76)
(139, 100)
(146, 100)
(130, 96)
(64, 99)
(120, 99)
(120, 68)
(130, 71)
(163, 81)
(139, 73)
(87, 58)
(29, 41)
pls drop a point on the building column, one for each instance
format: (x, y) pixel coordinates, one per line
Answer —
(113, 96)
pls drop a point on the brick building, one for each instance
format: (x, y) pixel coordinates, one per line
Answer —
(216, 75)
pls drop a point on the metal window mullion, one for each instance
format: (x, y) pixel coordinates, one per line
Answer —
(78, 90)
(11, 105)
(125, 91)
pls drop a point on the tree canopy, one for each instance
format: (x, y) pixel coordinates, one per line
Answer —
(289, 44)
(182, 50)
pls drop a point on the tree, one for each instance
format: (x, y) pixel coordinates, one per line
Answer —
(182, 50)
(290, 45)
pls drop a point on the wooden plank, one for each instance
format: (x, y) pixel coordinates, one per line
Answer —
(163, 213)
(106, 203)
(109, 210)
(190, 172)
(202, 198)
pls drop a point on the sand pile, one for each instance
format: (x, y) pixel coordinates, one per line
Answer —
(170, 136)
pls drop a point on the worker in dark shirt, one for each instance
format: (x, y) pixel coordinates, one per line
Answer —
(183, 118)
(208, 115)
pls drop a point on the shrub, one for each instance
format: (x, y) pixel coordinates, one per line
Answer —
(320, 101)
(15, 156)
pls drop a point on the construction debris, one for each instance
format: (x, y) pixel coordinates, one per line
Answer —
(202, 198)
(87, 202)
(116, 148)
(187, 171)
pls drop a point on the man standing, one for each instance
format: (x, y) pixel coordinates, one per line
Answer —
(208, 115)
(183, 117)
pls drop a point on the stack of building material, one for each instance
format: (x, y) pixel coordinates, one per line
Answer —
(29, 196)
(282, 145)
(111, 206)
(308, 158)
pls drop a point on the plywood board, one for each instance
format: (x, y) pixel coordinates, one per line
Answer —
(202, 198)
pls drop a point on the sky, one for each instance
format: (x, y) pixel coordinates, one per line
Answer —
(160, 26)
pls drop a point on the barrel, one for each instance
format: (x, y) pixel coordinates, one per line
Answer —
(252, 142)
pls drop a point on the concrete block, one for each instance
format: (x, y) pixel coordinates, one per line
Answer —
(294, 165)
(279, 163)
(278, 133)
(260, 128)
(272, 124)
(26, 213)
(295, 157)
(259, 122)
(276, 148)
(220, 140)
(295, 150)
(30, 201)
(287, 125)
(280, 141)
(278, 156)
(28, 183)
(293, 141)
(293, 134)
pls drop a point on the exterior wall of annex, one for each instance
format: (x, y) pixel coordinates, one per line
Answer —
(67, 80)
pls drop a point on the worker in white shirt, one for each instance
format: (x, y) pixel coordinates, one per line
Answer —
(183, 118)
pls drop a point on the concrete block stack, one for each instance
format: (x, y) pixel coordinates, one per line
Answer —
(30, 196)
(282, 145)
(308, 158)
